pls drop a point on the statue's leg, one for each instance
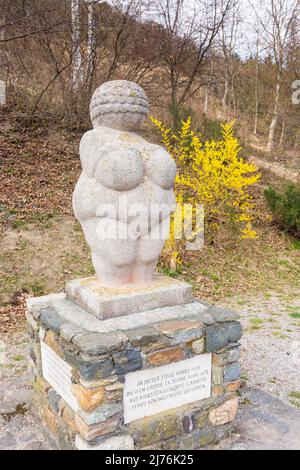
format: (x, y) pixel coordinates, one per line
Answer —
(146, 260)
(114, 256)
(109, 274)
(149, 249)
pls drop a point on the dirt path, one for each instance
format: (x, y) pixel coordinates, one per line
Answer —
(277, 169)
(271, 344)
(18, 429)
(264, 423)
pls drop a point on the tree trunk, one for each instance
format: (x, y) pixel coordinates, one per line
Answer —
(175, 103)
(233, 100)
(273, 126)
(256, 96)
(77, 59)
(225, 96)
(91, 42)
(296, 142)
(2, 28)
(25, 8)
(282, 133)
(205, 103)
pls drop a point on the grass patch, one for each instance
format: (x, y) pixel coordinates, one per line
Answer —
(37, 287)
(295, 395)
(295, 244)
(256, 323)
(171, 272)
(279, 335)
(18, 224)
(45, 219)
(284, 262)
(244, 377)
(23, 342)
(295, 315)
(18, 358)
(295, 403)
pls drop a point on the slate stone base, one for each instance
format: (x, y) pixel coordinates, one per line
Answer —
(101, 353)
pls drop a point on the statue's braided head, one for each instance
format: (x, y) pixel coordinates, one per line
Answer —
(119, 104)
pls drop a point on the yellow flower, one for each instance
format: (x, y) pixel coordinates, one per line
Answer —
(211, 173)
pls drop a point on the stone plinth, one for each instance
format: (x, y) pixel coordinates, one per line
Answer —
(107, 302)
(91, 375)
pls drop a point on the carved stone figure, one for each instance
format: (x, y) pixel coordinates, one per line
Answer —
(124, 196)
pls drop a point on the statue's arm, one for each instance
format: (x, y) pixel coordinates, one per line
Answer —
(161, 167)
(89, 149)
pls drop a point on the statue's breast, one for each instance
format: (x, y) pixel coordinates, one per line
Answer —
(119, 168)
(121, 161)
(159, 166)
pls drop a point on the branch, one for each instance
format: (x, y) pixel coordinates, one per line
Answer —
(48, 86)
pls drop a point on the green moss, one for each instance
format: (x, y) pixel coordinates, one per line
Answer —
(18, 358)
(295, 403)
(295, 395)
(256, 322)
(279, 335)
(295, 315)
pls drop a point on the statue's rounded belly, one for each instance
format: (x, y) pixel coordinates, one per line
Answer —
(143, 207)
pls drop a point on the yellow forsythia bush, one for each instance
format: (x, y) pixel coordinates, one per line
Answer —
(213, 174)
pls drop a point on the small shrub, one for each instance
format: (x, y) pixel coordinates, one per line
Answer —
(211, 129)
(213, 174)
(179, 114)
(286, 207)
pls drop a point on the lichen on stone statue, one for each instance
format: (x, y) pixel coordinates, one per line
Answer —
(124, 196)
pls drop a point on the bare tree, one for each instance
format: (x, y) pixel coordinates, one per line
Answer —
(190, 31)
(77, 74)
(229, 37)
(256, 93)
(2, 27)
(277, 25)
(21, 20)
(91, 43)
(126, 14)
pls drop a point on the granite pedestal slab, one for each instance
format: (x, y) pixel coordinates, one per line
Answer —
(165, 378)
(104, 302)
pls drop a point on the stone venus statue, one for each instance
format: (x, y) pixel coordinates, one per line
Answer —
(101, 346)
(124, 196)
